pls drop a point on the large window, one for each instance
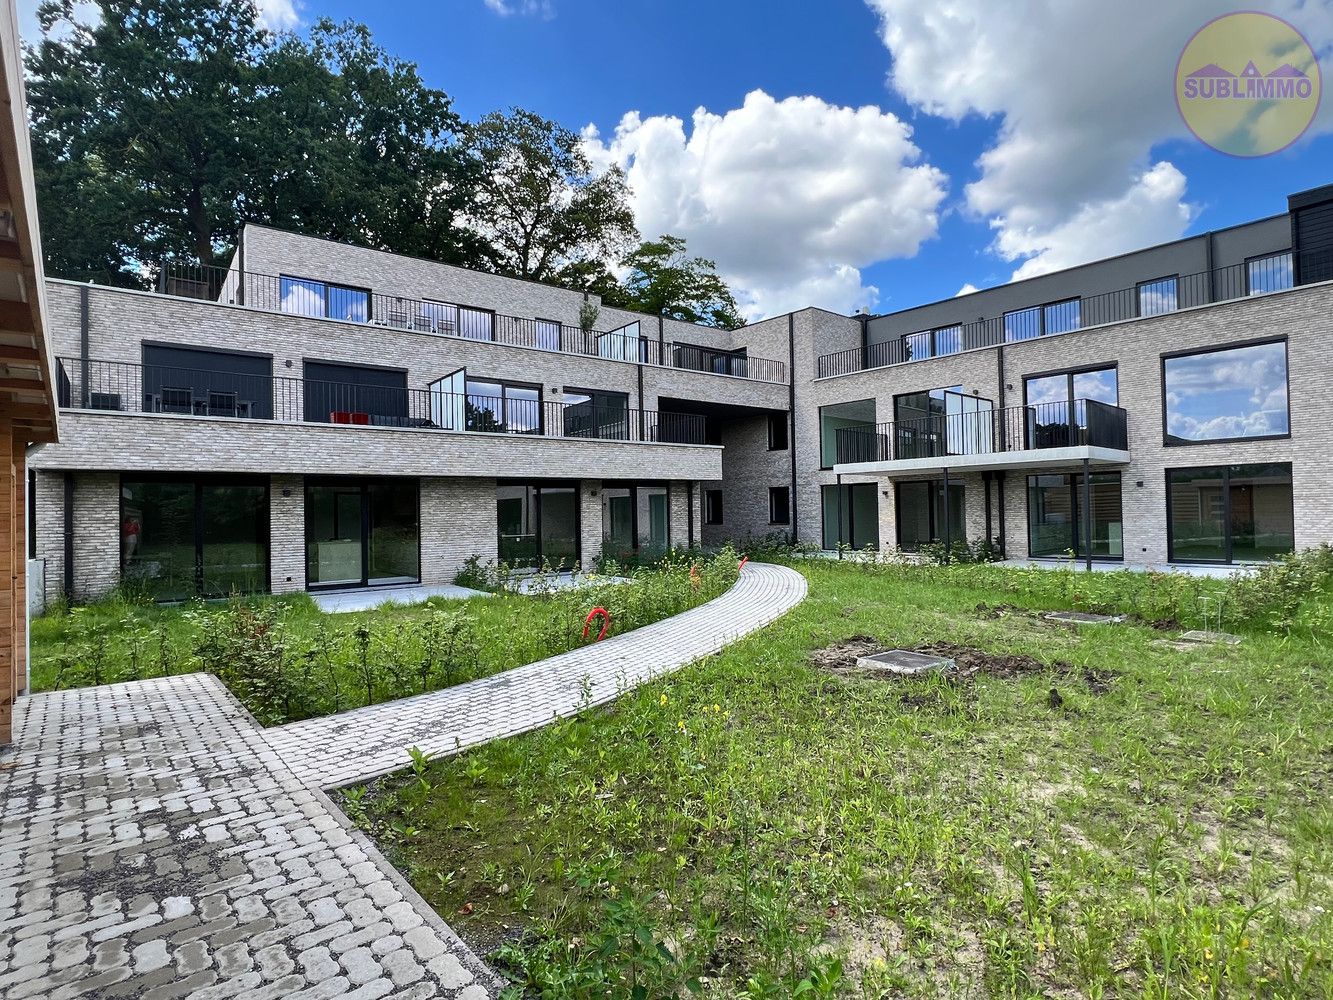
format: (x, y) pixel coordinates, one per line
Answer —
(940, 422)
(194, 536)
(851, 516)
(921, 515)
(503, 407)
(1269, 274)
(362, 532)
(1225, 395)
(538, 525)
(205, 383)
(1158, 296)
(1056, 516)
(1039, 321)
(595, 413)
(306, 297)
(1230, 513)
(1051, 420)
(635, 519)
(833, 418)
(932, 343)
(352, 394)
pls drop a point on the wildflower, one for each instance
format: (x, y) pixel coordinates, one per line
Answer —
(662, 700)
(716, 708)
(1208, 954)
(1244, 943)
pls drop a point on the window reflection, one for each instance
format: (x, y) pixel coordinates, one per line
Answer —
(1219, 395)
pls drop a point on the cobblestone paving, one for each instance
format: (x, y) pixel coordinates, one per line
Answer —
(338, 750)
(154, 846)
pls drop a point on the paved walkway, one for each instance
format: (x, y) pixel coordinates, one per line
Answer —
(154, 846)
(338, 750)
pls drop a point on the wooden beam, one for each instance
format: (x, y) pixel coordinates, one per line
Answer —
(21, 411)
(16, 316)
(36, 384)
(13, 352)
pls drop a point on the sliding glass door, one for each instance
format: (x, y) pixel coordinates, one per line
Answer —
(362, 532)
(851, 516)
(538, 525)
(921, 514)
(202, 536)
(1055, 516)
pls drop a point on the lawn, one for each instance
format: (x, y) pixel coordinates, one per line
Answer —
(1089, 814)
(287, 660)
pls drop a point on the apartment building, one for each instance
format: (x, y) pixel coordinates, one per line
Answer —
(1167, 406)
(321, 415)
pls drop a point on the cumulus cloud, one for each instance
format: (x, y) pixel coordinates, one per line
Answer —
(279, 15)
(791, 198)
(1081, 93)
(531, 8)
(967, 289)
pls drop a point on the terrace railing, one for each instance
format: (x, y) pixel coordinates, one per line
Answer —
(1152, 298)
(127, 387)
(1037, 426)
(321, 300)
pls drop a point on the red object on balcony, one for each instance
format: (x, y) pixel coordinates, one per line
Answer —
(348, 417)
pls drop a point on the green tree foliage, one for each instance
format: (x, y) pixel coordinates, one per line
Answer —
(543, 211)
(663, 280)
(166, 123)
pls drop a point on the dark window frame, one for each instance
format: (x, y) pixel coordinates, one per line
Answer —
(1289, 253)
(936, 538)
(495, 329)
(327, 285)
(1042, 327)
(934, 332)
(1217, 349)
(1071, 372)
(851, 516)
(198, 480)
(776, 420)
(819, 414)
(1226, 508)
(506, 384)
(1075, 487)
(539, 486)
(364, 483)
(1138, 295)
(774, 492)
(713, 507)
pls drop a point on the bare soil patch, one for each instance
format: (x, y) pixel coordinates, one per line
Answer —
(840, 659)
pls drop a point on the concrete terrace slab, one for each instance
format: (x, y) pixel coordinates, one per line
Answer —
(365, 743)
(155, 845)
(369, 598)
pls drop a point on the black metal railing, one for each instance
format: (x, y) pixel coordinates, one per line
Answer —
(128, 387)
(1037, 426)
(325, 300)
(1152, 298)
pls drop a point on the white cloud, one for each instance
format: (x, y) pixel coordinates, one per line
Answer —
(967, 289)
(544, 9)
(279, 15)
(1081, 93)
(790, 198)
(275, 15)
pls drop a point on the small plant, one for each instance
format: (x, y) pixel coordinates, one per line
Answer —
(420, 767)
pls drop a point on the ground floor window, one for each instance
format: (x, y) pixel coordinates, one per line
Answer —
(202, 536)
(851, 516)
(779, 505)
(712, 506)
(921, 514)
(635, 520)
(362, 532)
(1055, 516)
(538, 525)
(1226, 513)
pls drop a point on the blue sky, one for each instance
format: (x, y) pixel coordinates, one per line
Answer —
(991, 139)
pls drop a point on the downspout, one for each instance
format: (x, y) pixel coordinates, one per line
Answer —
(85, 338)
(791, 421)
(641, 407)
(1087, 512)
(69, 537)
(661, 344)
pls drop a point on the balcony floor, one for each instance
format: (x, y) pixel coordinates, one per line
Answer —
(1032, 458)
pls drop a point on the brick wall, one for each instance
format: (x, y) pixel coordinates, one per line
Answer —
(287, 555)
(458, 520)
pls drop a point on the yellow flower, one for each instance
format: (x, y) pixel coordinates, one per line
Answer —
(1244, 942)
(1208, 954)
(716, 708)
(663, 700)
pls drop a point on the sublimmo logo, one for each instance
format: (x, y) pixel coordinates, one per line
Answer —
(1248, 84)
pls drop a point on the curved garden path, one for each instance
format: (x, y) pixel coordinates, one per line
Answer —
(363, 743)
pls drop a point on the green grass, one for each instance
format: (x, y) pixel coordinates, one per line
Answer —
(754, 826)
(287, 660)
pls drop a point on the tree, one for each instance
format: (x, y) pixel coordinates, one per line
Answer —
(135, 120)
(542, 210)
(663, 281)
(164, 124)
(355, 147)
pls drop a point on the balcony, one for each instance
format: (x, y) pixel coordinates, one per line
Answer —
(124, 387)
(1276, 272)
(980, 438)
(324, 300)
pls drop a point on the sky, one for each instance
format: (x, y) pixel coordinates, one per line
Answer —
(871, 154)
